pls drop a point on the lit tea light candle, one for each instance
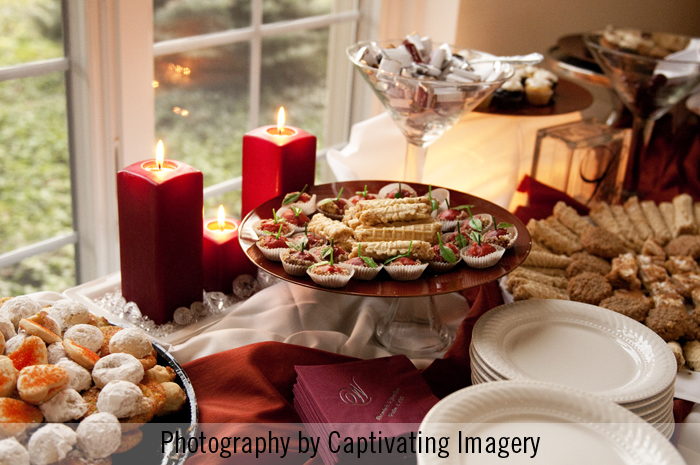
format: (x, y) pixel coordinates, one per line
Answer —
(160, 235)
(223, 258)
(276, 160)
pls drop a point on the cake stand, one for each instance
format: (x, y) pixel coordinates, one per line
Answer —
(412, 326)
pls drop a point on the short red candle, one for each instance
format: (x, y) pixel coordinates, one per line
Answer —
(160, 236)
(276, 161)
(223, 256)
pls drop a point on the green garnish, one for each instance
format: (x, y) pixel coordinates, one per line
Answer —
(467, 207)
(338, 198)
(363, 193)
(433, 203)
(445, 252)
(368, 260)
(297, 211)
(410, 244)
(476, 237)
(328, 251)
(460, 239)
(275, 217)
(297, 246)
(399, 194)
(291, 198)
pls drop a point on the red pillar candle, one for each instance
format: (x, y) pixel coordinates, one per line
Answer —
(276, 160)
(223, 256)
(160, 235)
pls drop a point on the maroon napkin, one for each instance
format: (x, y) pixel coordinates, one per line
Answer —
(541, 200)
(380, 398)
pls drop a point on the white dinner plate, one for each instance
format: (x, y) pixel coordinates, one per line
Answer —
(574, 427)
(578, 345)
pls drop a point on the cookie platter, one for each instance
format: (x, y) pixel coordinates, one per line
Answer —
(430, 283)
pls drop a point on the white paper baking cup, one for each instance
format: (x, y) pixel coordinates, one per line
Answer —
(307, 207)
(333, 280)
(272, 254)
(332, 216)
(443, 267)
(298, 237)
(395, 185)
(512, 237)
(294, 270)
(286, 232)
(366, 273)
(485, 261)
(405, 272)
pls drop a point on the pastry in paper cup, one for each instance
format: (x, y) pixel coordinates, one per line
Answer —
(390, 190)
(401, 272)
(507, 240)
(363, 272)
(333, 208)
(296, 262)
(316, 272)
(484, 261)
(439, 264)
(486, 224)
(339, 253)
(303, 200)
(272, 253)
(294, 215)
(260, 225)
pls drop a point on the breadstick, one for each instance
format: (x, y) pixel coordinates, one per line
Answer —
(684, 218)
(626, 226)
(668, 211)
(547, 260)
(555, 241)
(330, 229)
(420, 250)
(570, 218)
(529, 275)
(395, 213)
(536, 246)
(422, 230)
(656, 221)
(559, 227)
(636, 215)
(534, 290)
(557, 272)
(603, 217)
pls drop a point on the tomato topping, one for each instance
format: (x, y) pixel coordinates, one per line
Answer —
(477, 250)
(496, 233)
(356, 261)
(356, 198)
(271, 242)
(297, 220)
(329, 269)
(404, 193)
(304, 197)
(405, 261)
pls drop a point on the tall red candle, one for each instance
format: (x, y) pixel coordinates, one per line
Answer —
(223, 256)
(276, 160)
(160, 236)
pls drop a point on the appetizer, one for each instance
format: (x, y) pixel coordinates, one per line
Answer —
(404, 268)
(365, 267)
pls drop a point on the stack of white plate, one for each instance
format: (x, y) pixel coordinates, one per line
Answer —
(552, 424)
(582, 346)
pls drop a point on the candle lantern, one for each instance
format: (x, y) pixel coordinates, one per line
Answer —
(276, 160)
(160, 235)
(223, 256)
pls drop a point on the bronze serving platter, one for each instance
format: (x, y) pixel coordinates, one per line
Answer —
(430, 283)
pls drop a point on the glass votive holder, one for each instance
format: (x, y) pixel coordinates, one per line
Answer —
(585, 159)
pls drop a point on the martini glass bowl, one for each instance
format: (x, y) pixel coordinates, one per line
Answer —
(649, 87)
(425, 107)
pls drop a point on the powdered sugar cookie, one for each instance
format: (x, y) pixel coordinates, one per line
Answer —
(85, 335)
(121, 398)
(80, 378)
(117, 367)
(99, 435)
(131, 341)
(14, 342)
(69, 313)
(65, 406)
(13, 453)
(20, 307)
(56, 352)
(51, 443)
(6, 327)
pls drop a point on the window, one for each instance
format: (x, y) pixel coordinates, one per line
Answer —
(217, 69)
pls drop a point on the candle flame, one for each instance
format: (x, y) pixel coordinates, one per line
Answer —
(221, 218)
(160, 153)
(280, 120)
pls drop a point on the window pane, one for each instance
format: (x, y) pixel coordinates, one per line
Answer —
(294, 77)
(202, 108)
(285, 10)
(51, 271)
(183, 18)
(31, 30)
(35, 190)
(231, 202)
